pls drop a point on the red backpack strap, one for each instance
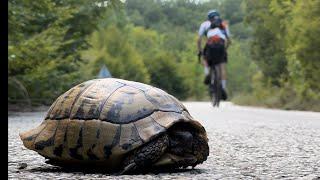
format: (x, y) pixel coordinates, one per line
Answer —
(224, 25)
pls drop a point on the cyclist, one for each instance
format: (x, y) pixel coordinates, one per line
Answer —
(205, 27)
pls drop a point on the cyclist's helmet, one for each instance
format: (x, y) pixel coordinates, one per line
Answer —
(212, 14)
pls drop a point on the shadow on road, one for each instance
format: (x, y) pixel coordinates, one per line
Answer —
(77, 170)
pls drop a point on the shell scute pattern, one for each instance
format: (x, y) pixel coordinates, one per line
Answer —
(90, 131)
(31, 135)
(64, 103)
(129, 138)
(107, 136)
(126, 105)
(73, 144)
(90, 104)
(147, 127)
(60, 138)
(166, 120)
(45, 139)
(162, 101)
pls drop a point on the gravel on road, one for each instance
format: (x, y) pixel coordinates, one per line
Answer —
(245, 143)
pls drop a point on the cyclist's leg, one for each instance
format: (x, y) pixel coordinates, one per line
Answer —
(222, 67)
(204, 61)
(211, 81)
(206, 72)
(224, 70)
(218, 70)
(206, 67)
(223, 75)
(217, 84)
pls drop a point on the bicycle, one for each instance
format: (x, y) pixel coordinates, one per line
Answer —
(214, 85)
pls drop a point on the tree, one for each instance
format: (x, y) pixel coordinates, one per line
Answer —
(110, 46)
(45, 39)
(268, 47)
(303, 46)
(164, 74)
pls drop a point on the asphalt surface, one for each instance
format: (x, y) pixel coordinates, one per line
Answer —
(245, 143)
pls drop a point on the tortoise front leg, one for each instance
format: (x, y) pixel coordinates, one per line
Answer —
(146, 155)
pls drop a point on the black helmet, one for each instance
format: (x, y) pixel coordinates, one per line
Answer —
(212, 14)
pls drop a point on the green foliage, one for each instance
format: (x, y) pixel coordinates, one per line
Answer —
(268, 45)
(286, 47)
(230, 10)
(111, 46)
(50, 81)
(273, 61)
(164, 74)
(165, 15)
(134, 53)
(192, 73)
(45, 39)
(303, 46)
(27, 18)
(240, 68)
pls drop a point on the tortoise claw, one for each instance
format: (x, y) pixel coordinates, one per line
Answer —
(128, 168)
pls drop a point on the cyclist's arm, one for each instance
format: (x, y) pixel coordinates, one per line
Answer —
(199, 43)
(228, 36)
(201, 33)
(228, 43)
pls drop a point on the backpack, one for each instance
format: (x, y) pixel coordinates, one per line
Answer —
(223, 25)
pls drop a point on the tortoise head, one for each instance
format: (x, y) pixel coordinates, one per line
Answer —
(187, 146)
(181, 142)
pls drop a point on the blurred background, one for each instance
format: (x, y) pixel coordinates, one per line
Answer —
(274, 60)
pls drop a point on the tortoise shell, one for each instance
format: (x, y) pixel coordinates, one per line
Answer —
(101, 120)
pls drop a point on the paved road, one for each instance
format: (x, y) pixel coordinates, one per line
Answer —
(245, 143)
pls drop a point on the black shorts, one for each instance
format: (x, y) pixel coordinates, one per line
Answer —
(215, 54)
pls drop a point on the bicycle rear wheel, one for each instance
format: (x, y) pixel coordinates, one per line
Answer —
(215, 91)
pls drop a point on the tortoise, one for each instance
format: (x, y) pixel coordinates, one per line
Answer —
(120, 125)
